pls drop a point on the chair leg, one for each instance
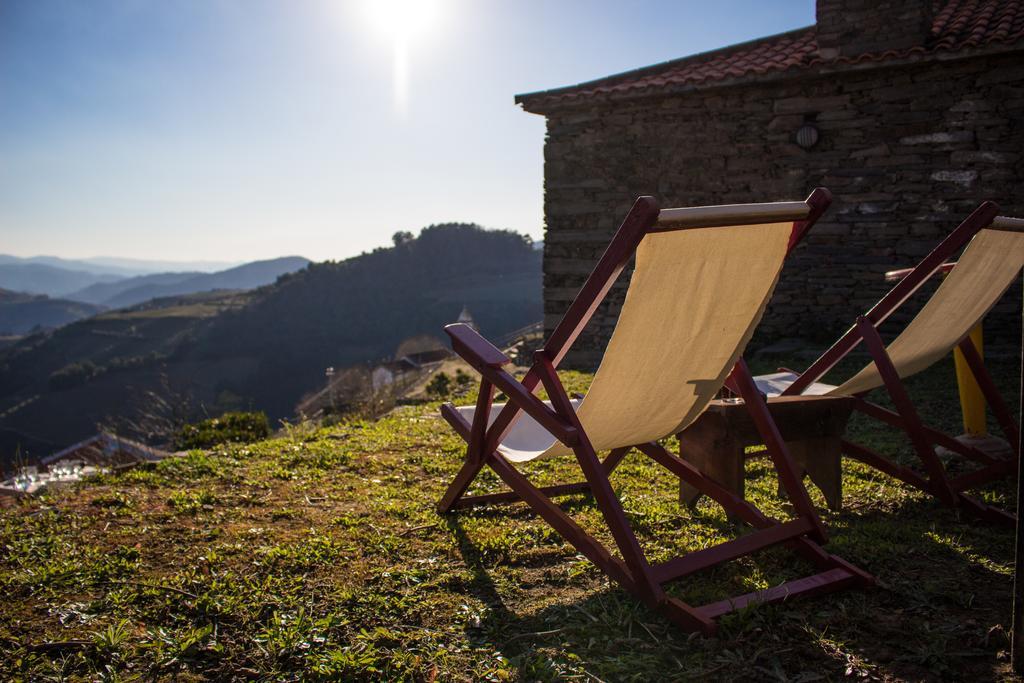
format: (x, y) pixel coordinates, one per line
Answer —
(784, 465)
(597, 476)
(613, 459)
(454, 497)
(470, 468)
(614, 517)
(895, 420)
(563, 524)
(987, 513)
(459, 485)
(513, 497)
(734, 505)
(904, 406)
(992, 395)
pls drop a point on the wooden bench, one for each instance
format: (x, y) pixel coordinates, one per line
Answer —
(812, 427)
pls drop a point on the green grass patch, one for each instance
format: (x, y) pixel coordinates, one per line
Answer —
(318, 555)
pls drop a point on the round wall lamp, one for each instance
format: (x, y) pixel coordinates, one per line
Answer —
(807, 135)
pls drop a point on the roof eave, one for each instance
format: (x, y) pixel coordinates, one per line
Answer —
(523, 97)
(542, 104)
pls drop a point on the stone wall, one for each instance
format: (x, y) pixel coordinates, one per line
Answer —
(853, 27)
(908, 151)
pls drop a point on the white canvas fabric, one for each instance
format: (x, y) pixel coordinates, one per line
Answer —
(777, 382)
(526, 439)
(693, 302)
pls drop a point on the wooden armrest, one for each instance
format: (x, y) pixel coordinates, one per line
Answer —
(487, 360)
(469, 344)
(532, 406)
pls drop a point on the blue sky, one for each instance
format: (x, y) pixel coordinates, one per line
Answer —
(240, 129)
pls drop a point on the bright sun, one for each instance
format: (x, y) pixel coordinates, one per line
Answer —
(402, 19)
(402, 22)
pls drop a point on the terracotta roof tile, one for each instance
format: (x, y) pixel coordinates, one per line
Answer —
(958, 24)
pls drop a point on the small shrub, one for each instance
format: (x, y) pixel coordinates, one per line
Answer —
(463, 379)
(440, 385)
(229, 427)
(74, 375)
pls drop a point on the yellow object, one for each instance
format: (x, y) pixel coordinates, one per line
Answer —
(972, 401)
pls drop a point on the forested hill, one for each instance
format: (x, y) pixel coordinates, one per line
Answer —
(264, 348)
(339, 313)
(21, 312)
(135, 290)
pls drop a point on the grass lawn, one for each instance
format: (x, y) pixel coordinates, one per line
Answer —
(318, 555)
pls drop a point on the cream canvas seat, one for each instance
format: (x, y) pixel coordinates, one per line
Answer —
(637, 395)
(990, 264)
(702, 279)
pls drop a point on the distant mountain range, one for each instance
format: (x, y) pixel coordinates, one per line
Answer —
(41, 278)
(21, 313)
(61, 277)
(122, 267)
(42, 294)
(134, 290)
(263, 348)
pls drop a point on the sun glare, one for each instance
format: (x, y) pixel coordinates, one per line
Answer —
(402, 19)
(402, 22)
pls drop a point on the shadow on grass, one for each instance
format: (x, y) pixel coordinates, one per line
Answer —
(940, 587)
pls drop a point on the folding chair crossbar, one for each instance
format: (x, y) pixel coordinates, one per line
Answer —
(825, 582)
(630, 568)
(894, 419)
(731, 502)
(744, 545)
(869, 457)
(513, 497)
(982, 476)
(947, 489)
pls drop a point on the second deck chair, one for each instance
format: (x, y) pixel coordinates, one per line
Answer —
(988, 266)
(702, 279)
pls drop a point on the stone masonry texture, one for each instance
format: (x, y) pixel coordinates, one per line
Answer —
(907, 149)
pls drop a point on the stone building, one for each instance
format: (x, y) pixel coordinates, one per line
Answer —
(910, 111)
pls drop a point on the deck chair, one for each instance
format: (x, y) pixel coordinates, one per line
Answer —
(702, 279)
(988, 266)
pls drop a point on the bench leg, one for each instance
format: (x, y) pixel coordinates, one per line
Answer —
(820, 458)
(716, 454)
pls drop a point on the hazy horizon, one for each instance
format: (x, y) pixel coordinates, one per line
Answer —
(239, 131)
(128, 262)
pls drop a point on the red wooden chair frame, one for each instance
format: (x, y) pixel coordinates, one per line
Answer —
(949, 490)
(633, 572)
